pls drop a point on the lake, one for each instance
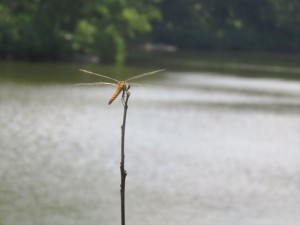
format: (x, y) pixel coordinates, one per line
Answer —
(206, 148)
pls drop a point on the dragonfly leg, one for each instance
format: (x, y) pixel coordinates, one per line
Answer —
(125, 93)
(123, 98)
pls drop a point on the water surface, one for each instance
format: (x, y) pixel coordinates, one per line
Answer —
(204, 149)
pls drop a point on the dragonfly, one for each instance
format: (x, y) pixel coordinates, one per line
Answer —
(122, 86)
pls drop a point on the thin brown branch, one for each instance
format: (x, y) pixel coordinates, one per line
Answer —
(126, 95)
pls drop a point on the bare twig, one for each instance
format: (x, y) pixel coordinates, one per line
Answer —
(125, 95)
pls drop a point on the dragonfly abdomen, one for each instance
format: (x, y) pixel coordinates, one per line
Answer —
(117, 92)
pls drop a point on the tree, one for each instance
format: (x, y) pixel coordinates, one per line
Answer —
(105, 26)
(42, 28)
(264, 25)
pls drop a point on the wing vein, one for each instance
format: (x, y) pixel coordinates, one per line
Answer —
(97, 83)
(86, 71)
(144, 74)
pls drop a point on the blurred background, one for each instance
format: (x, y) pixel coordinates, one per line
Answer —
(217, 144)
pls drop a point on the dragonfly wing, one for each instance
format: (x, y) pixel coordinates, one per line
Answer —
(97, 83)
(144, 74)
(86, 71)
(137, 84)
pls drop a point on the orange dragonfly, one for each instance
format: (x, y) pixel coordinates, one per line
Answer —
(122, 86)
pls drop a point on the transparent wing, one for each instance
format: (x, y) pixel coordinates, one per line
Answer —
(151, 85)
(86, 71)
(144, 74)
(97, 83)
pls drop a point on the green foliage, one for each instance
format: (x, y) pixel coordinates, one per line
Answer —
(33, 29)
(262, 25)
(41, 28)
(105, 26)
(38, 29)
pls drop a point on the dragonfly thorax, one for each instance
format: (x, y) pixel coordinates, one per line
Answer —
(125, 86)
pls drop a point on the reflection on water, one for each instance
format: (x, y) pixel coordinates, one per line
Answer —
(204, 149)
